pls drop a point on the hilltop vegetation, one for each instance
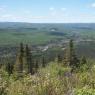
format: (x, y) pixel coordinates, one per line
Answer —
(47, 62)
(68, 75)
(55, 79)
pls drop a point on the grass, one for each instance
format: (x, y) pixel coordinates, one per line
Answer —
(55, 79)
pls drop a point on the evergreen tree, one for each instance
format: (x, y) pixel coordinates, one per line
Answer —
(59, 59)
(18, 67)
(25, 60)
(84, 65)
(66, 59)
(21, 51)
(74, 61)
(83, 60)
(36, 65)
(71, 47)
(69, 57)
(0, 65)
(30, 61)
(9, 68)
(43, 62)
(28, 64)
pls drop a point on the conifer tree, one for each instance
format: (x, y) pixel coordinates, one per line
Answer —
(36, 65)
(71, 47)
(9, 68)
(74, 62)
(59, 59)
(30, 61)
(43, 62)
(21, 49)
(18, 67)
(70, 57)
(26, 60)
(84, 64)
(66, 61)
(83, 60)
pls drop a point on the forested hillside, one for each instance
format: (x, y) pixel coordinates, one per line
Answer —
(67, 74)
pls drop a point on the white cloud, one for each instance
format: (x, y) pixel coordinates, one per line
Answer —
(2, 9)
(53, 16)
(93, 5)
(9, 17)
(63, 9)
(6, 16)
(53, 11)
(27, 12)
(48, 18)
(51, 8)
(57, 12)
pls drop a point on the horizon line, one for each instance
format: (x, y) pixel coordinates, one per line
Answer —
(48, 22)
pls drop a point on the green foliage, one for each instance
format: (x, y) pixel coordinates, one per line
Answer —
(70, 58)
(83, 61)
(24, 62)
(18, 67)
(43, 62)
(73, 59)
(54, 79)
(60, 59)
(9, 68)
(27, 61)
(85, 91)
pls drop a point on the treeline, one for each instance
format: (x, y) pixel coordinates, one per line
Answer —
(25, 63)
(70, 58)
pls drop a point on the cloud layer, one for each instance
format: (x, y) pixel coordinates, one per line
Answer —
(53, 14)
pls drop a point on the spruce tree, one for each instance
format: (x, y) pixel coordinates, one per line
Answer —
(36, 65)
(66, 59)
(21, 49)
(68, 52)
(84, 64)
(59, 59)
(18, 67)
(74, 61)
(30, 62)
(25, 60)
(9, 68)
(70, 57)
(43, 62)
(71, 47)
(83, 60)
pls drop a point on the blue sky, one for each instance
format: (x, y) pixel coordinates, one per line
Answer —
(47, 11)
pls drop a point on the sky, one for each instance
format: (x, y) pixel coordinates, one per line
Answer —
(47, 11)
